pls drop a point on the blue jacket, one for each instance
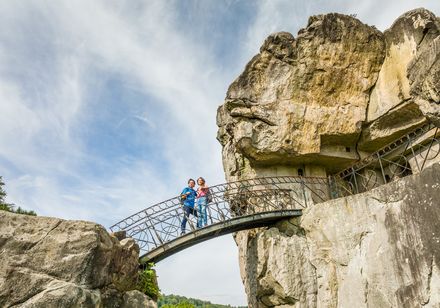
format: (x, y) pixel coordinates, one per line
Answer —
(190, 198)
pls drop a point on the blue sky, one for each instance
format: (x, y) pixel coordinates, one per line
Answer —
(109, 106)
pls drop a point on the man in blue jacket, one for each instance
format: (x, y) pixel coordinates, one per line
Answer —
(188, 196)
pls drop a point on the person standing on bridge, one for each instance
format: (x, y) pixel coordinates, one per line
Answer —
(202, 202)
(188, 196)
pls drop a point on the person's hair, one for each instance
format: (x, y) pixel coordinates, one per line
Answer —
(191, 180)
(200, 178)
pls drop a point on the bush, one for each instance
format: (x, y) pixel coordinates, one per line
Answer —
(5, 207)
(147, 282)
(10, 208)
(184, 304)
(19, 210)
(177, 301)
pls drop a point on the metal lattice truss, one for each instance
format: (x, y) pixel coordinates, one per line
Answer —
(156, 226)
(160, 223)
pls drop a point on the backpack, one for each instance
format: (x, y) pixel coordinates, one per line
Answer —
(182, 199)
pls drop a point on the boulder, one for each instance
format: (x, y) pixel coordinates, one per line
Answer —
(300, 94)
(50, 262)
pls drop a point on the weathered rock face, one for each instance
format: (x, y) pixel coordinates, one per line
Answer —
(49, 262)
(275, 267)
(381, 248)
(407, 89)
(377, 249)
(339, 90)
(289, 101)
(312, 105)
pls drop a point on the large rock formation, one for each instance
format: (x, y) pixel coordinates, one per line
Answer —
(313, 105)
(336, 92)
(289, 101)
(50, 262)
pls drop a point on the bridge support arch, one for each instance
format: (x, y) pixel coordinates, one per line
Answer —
(226, 227)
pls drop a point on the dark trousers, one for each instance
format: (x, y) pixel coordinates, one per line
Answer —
(187, 210)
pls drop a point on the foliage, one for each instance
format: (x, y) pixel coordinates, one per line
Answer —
(147, 283)
(8, 206)
(19, 210)
(176, 301)
(184, 304)
(5, 207)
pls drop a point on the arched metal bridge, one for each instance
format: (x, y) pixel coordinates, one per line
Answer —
(259, 202)
(235, 206)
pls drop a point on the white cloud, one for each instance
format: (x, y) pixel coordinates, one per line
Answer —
(144, 48)
(44, 97)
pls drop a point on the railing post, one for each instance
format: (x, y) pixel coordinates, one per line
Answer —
(329, 187)
(304, 192)
(429, 149)
(220, 212)
(157, 234)
(355, 180)
(208, 210)
(152, 236)
(414, 154)
(381, 169)
(178, 218)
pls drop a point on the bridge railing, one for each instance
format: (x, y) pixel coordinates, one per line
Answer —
(407, 155)
(161, 223)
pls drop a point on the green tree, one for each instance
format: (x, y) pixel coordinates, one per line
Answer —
(3, 205)
(147, 282)
(177, 301)
(9, 207)
(184, 304)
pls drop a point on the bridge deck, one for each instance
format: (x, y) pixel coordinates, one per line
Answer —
(215, 230)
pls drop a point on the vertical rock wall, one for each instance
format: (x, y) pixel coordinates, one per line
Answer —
(275, 266)
(380, 248)
(377, 249)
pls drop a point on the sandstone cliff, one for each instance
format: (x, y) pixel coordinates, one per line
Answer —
(338, 91)
(312, 105)
(377, 249)
(50, 262)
